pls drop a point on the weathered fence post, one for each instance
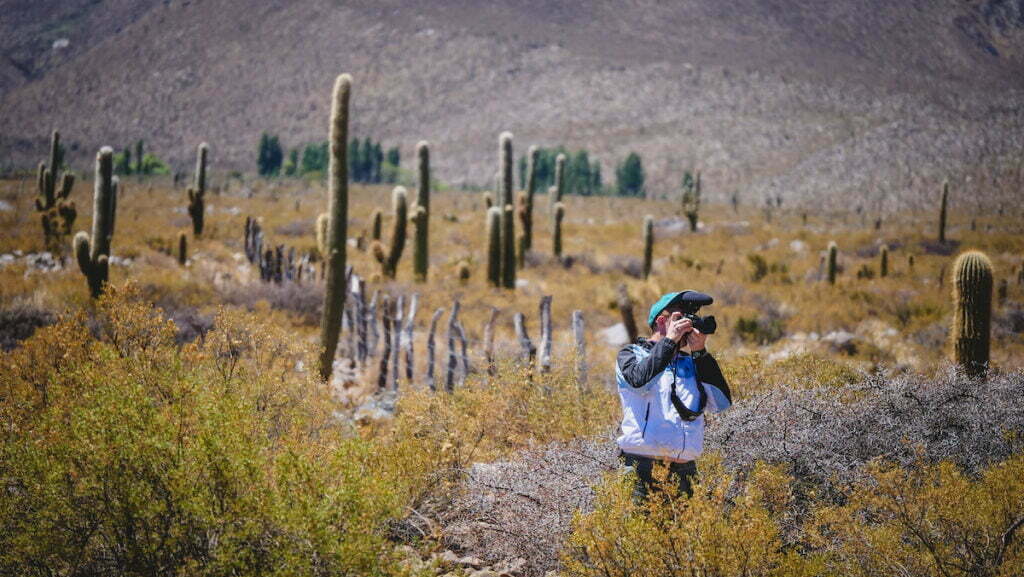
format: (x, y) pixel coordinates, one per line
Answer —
(382, 376)
(372, 318)
(449, 379)
(407, 337)
(460, 333)
(431, 348)
(396, 340)
(359, 292)
(529, 352)
(545, 334)
(625, 305)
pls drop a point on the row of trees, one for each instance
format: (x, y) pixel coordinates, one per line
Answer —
(582, 175)
(367, 160)
(139, 163)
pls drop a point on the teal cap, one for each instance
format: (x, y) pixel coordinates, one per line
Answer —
(693, 298)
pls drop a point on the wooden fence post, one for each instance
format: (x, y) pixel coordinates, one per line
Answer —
(382, 376)
(492, 368)
(581, 348)
(449, 379)
(407, 336)
(545, 334)
(431, 347)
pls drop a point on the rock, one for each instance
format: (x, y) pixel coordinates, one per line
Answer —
(842, 341)
(798, 246)
(510, 567)
(484, 573)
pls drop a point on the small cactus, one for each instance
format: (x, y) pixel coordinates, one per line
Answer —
(93, 252)
(910, 263)
(559, 181)
(389, 258)
(526, 217)
(556, 230)
(833, 256)
(508, 227)
(648, 244)
(691, 199)
(462, 272)
(421, 215)
(972, 321)
(182, 248)
(523, 215)
(1003, 291)
(883, 265)
(494, 246)
(488, 200)
(322, 222)
(197, 193)
(334, 257)
(942, 212)
(376, 224)
(57, 213)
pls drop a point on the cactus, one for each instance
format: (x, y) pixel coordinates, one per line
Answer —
(334, 258)
(910, 263)
(556, 230)
(376, 224)
(400, 211)
(648, 244)
(526, 217)
(555, 196)
(942, 212)
(523, 216)
(691, 199)
(197, 194)
(883, 265)
(182, 248)
(421, 215)
(322, 222)
(57, 213)
(972, 321)
(508, 227)
(488, 200)
(494, 246)
(462, 271)
(833, 254)
(93, 252)
(1003, 291)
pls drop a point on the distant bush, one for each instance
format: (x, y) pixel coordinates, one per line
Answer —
(762, 331)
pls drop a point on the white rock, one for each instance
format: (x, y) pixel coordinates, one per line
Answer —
(615, 335)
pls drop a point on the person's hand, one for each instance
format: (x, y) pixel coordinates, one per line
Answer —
(677, 327)
(695, 340)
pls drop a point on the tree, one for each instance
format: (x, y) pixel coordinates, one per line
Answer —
(314, 158)
(629, 176)
(389, 172)
(270, 155)
(291, 166)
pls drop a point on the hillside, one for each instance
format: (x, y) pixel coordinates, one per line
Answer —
(772, 98)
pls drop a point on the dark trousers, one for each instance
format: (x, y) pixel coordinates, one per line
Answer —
(681, 473)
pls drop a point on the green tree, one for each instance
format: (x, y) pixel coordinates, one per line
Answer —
(629, 176)
(291, 166)
(314, 158)
(270, 155)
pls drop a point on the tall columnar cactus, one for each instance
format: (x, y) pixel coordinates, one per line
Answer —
(691, 199)
(182, 248)
(197, 194)
(389, 258)
(556, 230)
(334, 259)
(833, 257)
(555, 193)
(648, 244)
(57, 213)
(972, 321)
(421, 214)
(883, 265)
(508, 227)
(93, 252)
(494, 245)
(527, 207)
(942, 212)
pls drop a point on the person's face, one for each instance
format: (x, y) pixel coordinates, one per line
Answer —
(666, 315)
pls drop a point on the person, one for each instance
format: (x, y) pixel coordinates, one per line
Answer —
(665, 391)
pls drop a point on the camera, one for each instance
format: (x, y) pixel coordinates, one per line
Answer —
(706, 325)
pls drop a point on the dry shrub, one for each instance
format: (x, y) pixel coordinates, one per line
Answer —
(19, 321)
(130, 454)
(305, 300)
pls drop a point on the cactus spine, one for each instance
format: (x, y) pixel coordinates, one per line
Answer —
(494, 246)
(400, 210)
(531, 188)
(556, 230)
(972, 322)
(508, 227)
(833, 256)
(648, 244)
(197, 194)
(337, 286)
(883, 266)
(57, 213)
(182, 248)
(421, 214)
(93, 252)
(942, 212)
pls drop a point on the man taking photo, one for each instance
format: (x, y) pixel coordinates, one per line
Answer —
(666, 383)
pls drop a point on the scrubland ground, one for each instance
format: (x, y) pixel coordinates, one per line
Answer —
(204, 446)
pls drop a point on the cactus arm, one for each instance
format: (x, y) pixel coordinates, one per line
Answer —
(494, 245)
(421, 214)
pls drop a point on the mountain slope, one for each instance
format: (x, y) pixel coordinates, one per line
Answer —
(768, 97)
